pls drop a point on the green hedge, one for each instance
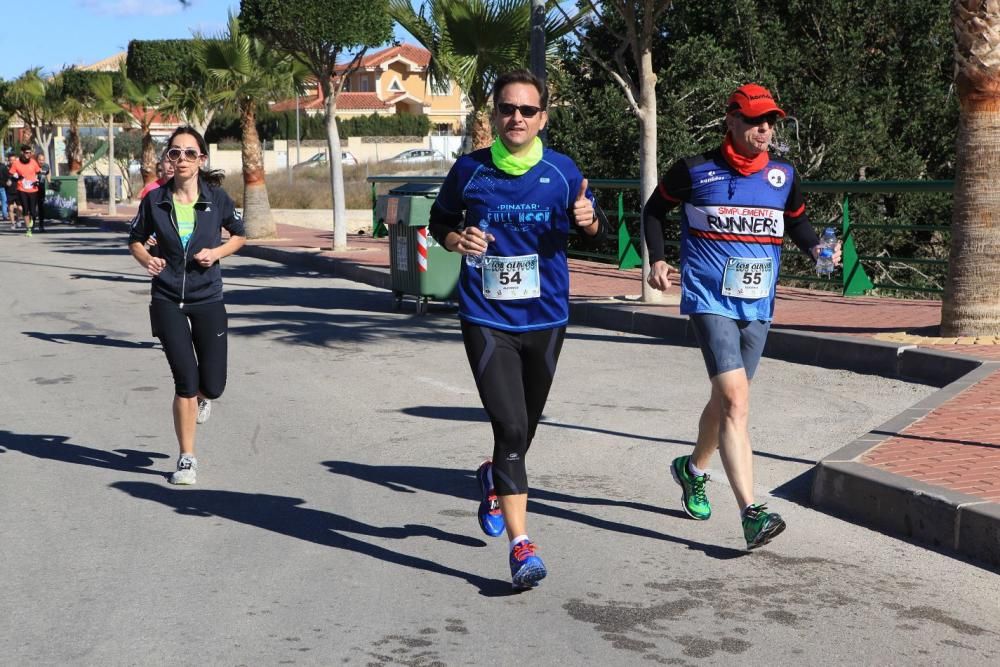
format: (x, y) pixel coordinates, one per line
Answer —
(160, 61)
(273, 126)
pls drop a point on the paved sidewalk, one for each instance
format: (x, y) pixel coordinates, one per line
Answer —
(931, 474)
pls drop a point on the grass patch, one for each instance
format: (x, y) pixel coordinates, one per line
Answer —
(310, 187)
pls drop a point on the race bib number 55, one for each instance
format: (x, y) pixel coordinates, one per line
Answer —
(748, 278)
(506, 278)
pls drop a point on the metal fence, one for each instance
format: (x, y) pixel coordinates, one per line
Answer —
(624, 249)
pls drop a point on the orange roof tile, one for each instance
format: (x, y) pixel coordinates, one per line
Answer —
(307, 102)
(356, 101)
(415, 54)
(345, 102)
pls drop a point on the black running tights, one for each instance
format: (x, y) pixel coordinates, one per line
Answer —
(513, 372)
(194, 340)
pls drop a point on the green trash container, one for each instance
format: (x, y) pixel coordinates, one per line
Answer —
(418, 265)
(60, 199)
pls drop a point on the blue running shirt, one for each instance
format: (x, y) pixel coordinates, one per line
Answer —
(524, 282)
(732, 228)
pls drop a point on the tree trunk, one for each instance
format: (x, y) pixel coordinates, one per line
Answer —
(647, 157)
(971, 304)
(148, 162)
(256, 205)
(336, 170)
(482, 129)
(74, 160)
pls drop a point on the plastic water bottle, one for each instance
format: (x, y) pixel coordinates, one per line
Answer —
(476, 261)
(827, 246)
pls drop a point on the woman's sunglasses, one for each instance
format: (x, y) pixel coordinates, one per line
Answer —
(527, 111)
(190, 154)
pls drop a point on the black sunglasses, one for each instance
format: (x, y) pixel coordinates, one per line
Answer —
(190, 154)
(771, 118)
(527, 111)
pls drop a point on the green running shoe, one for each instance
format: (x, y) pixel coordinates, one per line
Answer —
(693, 497)
(760, 526)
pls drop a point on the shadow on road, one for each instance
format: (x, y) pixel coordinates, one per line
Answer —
(327, 328)
(89, 339)
(58, 448)
(467, 414)
(462, 484)
(284, 515)
(109, 278)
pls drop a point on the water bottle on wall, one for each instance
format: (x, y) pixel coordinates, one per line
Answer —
(827, 246)
(476, 261)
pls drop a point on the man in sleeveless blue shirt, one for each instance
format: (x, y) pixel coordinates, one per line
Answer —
(509, 208)
(737, 203)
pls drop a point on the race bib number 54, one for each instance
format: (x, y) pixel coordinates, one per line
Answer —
(506, 278)
(748, 278)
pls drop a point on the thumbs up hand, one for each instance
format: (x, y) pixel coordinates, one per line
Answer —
(583, 210)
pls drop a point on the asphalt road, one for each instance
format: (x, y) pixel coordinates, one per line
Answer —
(334, 519)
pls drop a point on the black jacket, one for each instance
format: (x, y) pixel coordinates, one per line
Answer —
(183, 280)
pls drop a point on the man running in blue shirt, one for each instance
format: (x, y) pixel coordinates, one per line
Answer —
(737, 203)
(514, 301)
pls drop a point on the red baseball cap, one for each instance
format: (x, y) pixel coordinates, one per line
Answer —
(752, 100)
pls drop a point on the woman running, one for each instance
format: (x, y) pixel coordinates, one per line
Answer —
(187, 313)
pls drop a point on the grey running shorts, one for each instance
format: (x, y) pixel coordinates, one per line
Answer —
(728, 344)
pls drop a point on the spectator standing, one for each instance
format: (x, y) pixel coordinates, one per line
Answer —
(9, 184)
(4, 178)
(43, 182)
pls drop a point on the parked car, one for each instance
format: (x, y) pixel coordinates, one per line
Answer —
(418, 155)
(319, 159)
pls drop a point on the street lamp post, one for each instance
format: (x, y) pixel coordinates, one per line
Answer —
(538, 45)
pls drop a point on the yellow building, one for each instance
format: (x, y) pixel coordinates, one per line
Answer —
(390, 81)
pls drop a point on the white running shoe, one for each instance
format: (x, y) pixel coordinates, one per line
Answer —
(187, 470)
(204, 410)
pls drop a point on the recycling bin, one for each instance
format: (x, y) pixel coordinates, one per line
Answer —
(418, 265)
(60, 199)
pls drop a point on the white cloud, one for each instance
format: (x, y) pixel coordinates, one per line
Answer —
(130, 8)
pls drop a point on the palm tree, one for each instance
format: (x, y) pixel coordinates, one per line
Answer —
(971, 304)
(473, 41)
(77, 105)
(249, 74)
(140, 103)
(30, 97)
(191, 104)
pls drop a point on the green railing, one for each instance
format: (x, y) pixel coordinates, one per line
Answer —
(854, 278)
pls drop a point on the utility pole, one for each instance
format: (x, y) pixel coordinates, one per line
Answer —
(298, 132)
(112, 206)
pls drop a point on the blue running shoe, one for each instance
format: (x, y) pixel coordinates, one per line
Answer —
(526, 569)
(490, 516)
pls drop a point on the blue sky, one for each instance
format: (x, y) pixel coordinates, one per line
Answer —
(80, 32)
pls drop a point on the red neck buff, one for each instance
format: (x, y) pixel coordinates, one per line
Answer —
(741, 163)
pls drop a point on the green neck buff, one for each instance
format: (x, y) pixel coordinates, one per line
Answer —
(515, 165)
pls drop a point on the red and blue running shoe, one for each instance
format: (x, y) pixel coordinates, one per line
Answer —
(526, 569)
(490, 516)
